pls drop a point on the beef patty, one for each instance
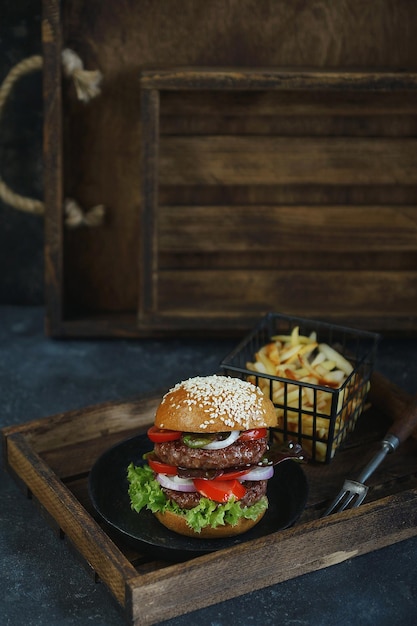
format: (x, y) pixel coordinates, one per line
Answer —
(255, 489)
(238, 453)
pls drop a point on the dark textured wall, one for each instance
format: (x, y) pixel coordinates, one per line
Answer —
(21, 235)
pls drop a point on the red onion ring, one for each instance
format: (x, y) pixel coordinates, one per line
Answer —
(176, 483)
(258, 473)
(223, 443)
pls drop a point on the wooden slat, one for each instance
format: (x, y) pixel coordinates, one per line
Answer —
(289, 113)
(150, 172)
(269, 78)
(317, 294)
(76, 459)
(53, 164)
(282, 229)
(292, 194)
(276, 160)
(288, 104)
(291, 126)
(298, 260)
(66, 429)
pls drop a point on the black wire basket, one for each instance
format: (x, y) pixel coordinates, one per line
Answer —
(317, 375)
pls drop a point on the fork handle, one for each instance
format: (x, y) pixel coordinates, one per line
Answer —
(396, 403)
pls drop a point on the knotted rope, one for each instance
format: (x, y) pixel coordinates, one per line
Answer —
(87, 86)
(87, 82)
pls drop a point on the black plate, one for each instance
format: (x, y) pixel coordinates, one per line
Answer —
(108, 489)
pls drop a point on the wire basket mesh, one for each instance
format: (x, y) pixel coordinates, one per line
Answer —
(317, 375)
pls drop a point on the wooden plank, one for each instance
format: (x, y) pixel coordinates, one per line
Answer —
(345, 293)
(253, 33)
(288, 113)
(232, 324)
(83, 425)
(369, 194)
(76, 460)
(226, 325)
(318, 544)
(291, 126)
(261, 229)
(275, 104)
(53, 165)
(220, 260)
(280, 161)
(257, 78)
(149, 207)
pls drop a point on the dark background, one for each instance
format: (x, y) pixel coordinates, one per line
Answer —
(21, 234)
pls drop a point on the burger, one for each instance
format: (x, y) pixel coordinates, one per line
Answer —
(208, 471)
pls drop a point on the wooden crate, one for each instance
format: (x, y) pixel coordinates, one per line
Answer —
(51, 459)
(233, 186)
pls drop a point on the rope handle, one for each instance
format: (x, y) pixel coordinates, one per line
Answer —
(87, 86)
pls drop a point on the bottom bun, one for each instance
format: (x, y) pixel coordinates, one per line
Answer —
(179, 525)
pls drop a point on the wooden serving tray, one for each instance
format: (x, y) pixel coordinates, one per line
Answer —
(51, 459)
(245, 167)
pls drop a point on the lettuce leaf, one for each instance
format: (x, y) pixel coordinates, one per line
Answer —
(146, 492)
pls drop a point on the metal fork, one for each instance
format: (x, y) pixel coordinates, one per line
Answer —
(354, 492)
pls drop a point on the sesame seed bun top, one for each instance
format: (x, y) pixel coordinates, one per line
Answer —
(215, 404)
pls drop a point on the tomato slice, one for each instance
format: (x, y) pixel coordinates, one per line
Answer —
(159, 435)
(159, 467)
(232, 474)
(220, 490)
(254, 433)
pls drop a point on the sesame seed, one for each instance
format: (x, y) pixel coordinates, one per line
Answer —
(233, 401)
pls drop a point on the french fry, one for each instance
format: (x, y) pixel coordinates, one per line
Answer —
(300, 359)
(272, 352)
(295, 333)
(328, 365)
(269, 366)
(340, 360)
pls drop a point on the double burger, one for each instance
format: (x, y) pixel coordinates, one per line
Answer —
(208, 471)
